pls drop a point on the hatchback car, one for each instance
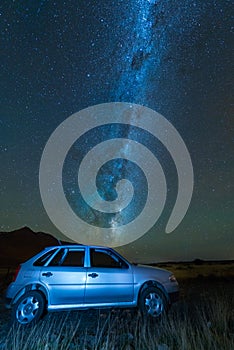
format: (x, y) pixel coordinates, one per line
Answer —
(72, 277)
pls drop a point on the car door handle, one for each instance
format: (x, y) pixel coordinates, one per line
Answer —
(93, 275)
(47, 274)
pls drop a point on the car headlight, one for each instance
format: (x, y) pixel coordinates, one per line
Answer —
(172, 278)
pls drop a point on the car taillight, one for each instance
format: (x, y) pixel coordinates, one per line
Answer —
(16, 273)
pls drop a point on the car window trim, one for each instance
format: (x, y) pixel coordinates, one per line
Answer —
(66, 250)
(52, 257)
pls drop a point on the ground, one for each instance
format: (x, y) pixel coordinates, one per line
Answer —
(204, 314)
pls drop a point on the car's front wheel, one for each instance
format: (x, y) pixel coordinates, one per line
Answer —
(152, 302)
(29, 308)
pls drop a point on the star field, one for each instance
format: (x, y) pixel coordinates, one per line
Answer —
(175, 57)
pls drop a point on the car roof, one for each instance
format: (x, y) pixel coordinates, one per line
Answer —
(77, 246)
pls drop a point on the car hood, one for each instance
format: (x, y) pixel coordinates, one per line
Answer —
(151, 272)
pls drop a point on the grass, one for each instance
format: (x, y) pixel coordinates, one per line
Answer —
(192, 270)
(202, 320)
(202, 323)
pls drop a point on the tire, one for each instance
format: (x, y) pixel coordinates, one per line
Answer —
(28, 309)
(152, 303)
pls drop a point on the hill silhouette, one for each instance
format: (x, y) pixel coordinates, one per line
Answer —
(19, 245)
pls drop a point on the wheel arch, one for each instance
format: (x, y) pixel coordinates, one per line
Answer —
(152, 283)
(31, 287)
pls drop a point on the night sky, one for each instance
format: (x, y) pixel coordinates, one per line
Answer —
(59, 57)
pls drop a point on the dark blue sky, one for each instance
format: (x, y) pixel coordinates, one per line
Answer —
(59, 57)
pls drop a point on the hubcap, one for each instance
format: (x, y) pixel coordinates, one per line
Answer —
(154, 304)
(27, 310)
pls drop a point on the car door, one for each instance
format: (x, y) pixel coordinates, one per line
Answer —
(109, 278)
(65, 276)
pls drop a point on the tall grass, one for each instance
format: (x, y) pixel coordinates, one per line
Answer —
(205, 324)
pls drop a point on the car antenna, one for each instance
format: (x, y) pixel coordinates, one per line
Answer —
(59, 241)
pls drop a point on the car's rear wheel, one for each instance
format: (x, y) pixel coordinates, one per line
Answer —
(29, 308)
(152, 302)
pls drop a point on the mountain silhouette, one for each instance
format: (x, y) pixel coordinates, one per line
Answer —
(19, 245)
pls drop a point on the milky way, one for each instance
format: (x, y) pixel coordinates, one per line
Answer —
(172, 56)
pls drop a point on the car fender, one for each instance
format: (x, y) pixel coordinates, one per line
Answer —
(32, 286)
(151, 283)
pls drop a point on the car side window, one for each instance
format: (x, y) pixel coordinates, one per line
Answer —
(56, 261)
(44, 258)
(101, 258)
(74, 258)
(69, 257)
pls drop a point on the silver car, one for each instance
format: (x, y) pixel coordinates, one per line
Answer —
(72, 277)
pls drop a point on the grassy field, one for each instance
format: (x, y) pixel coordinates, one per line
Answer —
(195, 325)
(203, 319)
(199, 268)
